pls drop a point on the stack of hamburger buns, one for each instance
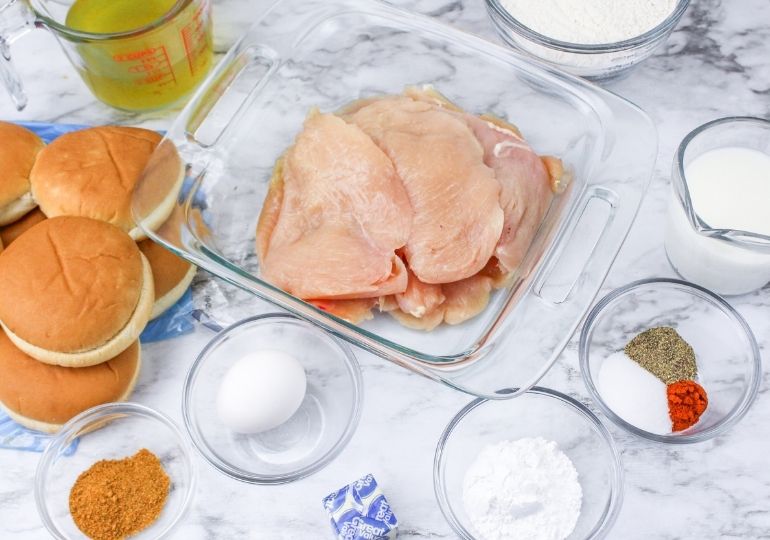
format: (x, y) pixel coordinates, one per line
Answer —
(76, 289)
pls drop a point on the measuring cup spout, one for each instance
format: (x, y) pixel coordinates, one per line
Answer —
(16, 19)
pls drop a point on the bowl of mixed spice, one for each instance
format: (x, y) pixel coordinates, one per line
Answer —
(115, 471)
(669, 361)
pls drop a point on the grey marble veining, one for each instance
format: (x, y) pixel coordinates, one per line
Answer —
(717, 63)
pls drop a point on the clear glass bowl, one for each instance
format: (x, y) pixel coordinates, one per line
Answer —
(309, 53)
(113, 431)
(726, 261)
(595, 62)
(310, 439)
(729, 363)
(540, 412)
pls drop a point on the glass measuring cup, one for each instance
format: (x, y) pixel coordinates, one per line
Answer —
(727, 261)
(146, 68)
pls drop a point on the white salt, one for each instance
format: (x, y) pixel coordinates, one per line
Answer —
(634, 394)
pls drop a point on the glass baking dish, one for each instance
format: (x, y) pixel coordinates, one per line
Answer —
(301, 54)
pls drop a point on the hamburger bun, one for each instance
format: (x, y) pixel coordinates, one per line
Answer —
(155, 197)
(43, 397)
(171, 275)
(12, 231)
(74, 291)
(92, 173)
(18, 149)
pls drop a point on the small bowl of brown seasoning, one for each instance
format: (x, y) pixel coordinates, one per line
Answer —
(115, 471)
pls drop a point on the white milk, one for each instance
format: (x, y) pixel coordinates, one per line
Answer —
(730, 189)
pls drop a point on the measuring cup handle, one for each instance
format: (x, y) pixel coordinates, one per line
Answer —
(16, 19)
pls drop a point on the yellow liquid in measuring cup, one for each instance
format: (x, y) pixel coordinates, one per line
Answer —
(150, 70)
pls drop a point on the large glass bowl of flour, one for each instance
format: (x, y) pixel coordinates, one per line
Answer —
(596, 39)
(539, 413)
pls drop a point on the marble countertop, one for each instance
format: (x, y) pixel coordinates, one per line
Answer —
(717, 63)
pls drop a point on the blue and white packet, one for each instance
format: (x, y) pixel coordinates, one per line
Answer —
(360, 511)
(176, 321)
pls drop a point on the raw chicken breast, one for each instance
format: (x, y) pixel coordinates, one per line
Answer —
(526, 188)
(454, 195)
(427, 322)
(463, 300)
(419, 298)
(353, 311)
(404, 203)
(466, 298)
(527, 182)
(387, 303)
(335, 213)
(271, 210)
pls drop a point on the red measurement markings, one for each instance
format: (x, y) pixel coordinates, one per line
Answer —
(168, 63)
(194, 36)
(152, 63)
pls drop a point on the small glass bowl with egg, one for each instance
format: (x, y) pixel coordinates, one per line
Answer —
(593, 61)
(272, 399)
(726, 354)
(538, 413)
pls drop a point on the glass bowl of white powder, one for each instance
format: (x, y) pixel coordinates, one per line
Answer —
(595, 39)
(729, 366)
(541, 466)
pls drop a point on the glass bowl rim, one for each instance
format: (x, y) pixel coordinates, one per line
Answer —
(651, 35)
(199, 442)
(95, 413)
(76, 35)
(738, 411)
(700, 226)
(610, 514)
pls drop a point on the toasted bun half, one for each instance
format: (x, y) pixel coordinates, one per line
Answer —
(43, 397)
(92, 173)
(12, 231)
(18, 149)
(74, 291)
(171, 275)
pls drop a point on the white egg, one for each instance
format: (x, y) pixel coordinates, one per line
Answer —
(261, 391)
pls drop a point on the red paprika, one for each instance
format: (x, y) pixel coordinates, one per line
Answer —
(687, 400)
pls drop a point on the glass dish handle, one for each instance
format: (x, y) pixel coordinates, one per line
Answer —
(16, 19)
(564, 289)
(568, 271)
(237, 78)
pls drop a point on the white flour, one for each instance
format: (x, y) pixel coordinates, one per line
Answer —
(590, 21)
(523, 489)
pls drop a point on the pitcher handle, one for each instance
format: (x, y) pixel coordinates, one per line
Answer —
(16, 19)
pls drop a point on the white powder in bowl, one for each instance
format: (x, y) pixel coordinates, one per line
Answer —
(590, 22)
(522, 489)
(634, 394)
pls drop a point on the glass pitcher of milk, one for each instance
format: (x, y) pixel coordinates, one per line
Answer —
(718, 230)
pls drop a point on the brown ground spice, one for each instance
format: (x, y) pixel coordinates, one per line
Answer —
(114, 499)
